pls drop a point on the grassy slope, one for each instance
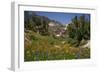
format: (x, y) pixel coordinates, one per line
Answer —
(39, 47)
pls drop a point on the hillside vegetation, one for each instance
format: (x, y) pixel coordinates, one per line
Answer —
(42, 43)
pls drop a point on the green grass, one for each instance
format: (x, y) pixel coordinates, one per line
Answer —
(40, 47)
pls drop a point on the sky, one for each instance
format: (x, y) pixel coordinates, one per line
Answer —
(64, 18)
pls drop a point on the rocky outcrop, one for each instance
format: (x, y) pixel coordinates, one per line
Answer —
(87, 45)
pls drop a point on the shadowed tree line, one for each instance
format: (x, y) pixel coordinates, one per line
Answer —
(79, 29)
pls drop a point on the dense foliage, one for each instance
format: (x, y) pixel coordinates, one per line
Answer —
(36, 23)
(79, 29)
